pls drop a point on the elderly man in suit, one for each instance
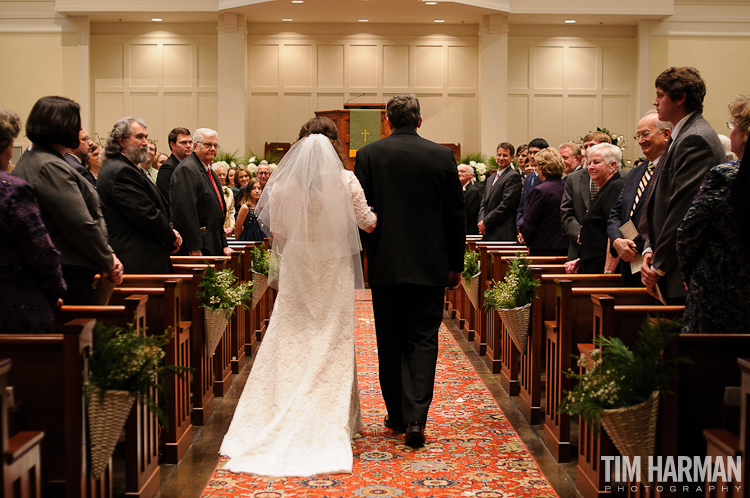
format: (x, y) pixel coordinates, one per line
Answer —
(136, 214)
(181, 145)
(196, 202)
(651, 134)
(502, 194)
(413, 255)
(693, 149)
(473, 193)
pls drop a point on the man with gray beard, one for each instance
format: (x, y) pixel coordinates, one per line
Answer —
(136, 213)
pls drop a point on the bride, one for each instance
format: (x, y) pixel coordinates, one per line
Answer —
(300, 407)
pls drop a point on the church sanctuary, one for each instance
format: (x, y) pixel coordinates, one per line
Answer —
(229, 83)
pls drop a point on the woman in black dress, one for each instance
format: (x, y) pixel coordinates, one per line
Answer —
(247, 226)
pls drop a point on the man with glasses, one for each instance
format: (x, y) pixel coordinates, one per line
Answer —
(196, 202)
(77, 157)
(263, 173)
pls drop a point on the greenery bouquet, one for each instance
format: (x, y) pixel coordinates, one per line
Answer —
(471, 276)
(219, 294)
(261, 262)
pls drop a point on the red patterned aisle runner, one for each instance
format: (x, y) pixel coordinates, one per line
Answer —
(471, 450)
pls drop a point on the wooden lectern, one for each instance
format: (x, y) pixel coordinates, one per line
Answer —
(341, 118)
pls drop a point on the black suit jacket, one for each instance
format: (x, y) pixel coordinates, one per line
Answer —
(473, 198)
(413, 186)
(197, 212)
(137, 217)
(575, 202)
(531, 181)
(500, 203)
(620, 214)
(164, 178)
(692, 154)
(73, 161)
(594, 226)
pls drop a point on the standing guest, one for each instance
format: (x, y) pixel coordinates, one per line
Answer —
(93, 162)
(263, 173)
(221, 172)
(69, 204)
(197, 204)
(135, 211)
(695, 149)
(603, 161)
(247, 227)
(31, 281)
(571, 154)
(532, 179)
(651, 134)
(522, 155)
(473, 194)
(230, 177)
(159, 159)
(497, 211)
(147, 165)
(181, 145)
(541, 229)
(78, 157)
(415, 252)
(241, 178)
(713, 241)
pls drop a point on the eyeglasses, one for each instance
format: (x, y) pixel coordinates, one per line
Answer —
(210, 145)
(262, 173)
(644, 135)
(730, 125)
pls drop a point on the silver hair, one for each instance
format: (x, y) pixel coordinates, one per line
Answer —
(660, 125)
(201, 133)
(609, 152)
(216, 166)
(122, 129)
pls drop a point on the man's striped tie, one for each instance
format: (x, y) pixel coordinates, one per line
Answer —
(642, 186)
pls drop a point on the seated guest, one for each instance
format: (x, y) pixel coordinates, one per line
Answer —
(68, 203)
(31, 281)
(248, 227)
(603, 160)
(473, 193)
(221, 172)
(541, 229)
(93, 161)
(713, 241)
(136, 213)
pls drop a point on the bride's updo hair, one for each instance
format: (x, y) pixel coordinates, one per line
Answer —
(323, 126)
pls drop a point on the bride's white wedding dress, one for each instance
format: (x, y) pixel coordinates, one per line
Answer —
(300, 407)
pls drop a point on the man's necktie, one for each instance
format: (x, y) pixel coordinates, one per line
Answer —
(643, 222)
(216, 189)
(642, 186)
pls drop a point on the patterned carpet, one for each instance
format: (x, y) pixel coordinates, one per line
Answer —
(471, 450)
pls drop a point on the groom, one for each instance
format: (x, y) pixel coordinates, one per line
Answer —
(415, 252)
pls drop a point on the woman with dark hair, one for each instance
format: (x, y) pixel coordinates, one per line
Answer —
(297, 417)
(69, 205)
(541, 229)
(93, 161)
(247, 226)
(31, 282)
(713, 241)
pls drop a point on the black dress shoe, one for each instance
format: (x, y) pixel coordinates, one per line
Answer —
(414, 435)
(397, 428)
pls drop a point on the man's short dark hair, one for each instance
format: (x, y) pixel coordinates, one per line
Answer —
(54, 120)
(172, 137)
(403, 110)
(507, 146)
(539, 143)
(679, 81)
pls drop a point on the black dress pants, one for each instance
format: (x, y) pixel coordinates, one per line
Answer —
(407, 319)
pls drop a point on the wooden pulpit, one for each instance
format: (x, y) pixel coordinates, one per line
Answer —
(342, 119)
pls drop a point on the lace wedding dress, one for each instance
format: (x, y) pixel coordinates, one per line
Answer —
(300, 407)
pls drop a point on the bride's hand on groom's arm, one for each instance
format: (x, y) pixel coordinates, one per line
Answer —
(454, 279)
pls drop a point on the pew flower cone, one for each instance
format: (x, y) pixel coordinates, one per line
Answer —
(220, 294)
(107, 417)
(471, 276)
(260, 284)
(512, 300)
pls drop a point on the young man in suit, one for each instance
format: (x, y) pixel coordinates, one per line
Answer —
(502, 194)
(196, 202)
(695, 148)
(532, 179)
(651, 134)
(136, 214)
(181, 145)
(413, 255)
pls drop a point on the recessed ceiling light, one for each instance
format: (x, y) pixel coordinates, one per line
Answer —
(287, 19)
(430, 3)
(298, 1)
(439, 20)
(363, 20)
(570, 21)
(157, 19)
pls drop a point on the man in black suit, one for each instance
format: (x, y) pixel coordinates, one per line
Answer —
(497, 212)
(695, 148)
(196, 202)
(532, 178)
(77, 157)
(413, 254)
(136, 214)
(651, 134)
(473, 193)
(181, 145)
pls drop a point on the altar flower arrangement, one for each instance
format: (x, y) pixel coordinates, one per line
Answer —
(123, 367)
(512, 300)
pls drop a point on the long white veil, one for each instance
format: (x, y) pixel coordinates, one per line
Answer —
(306, 205)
